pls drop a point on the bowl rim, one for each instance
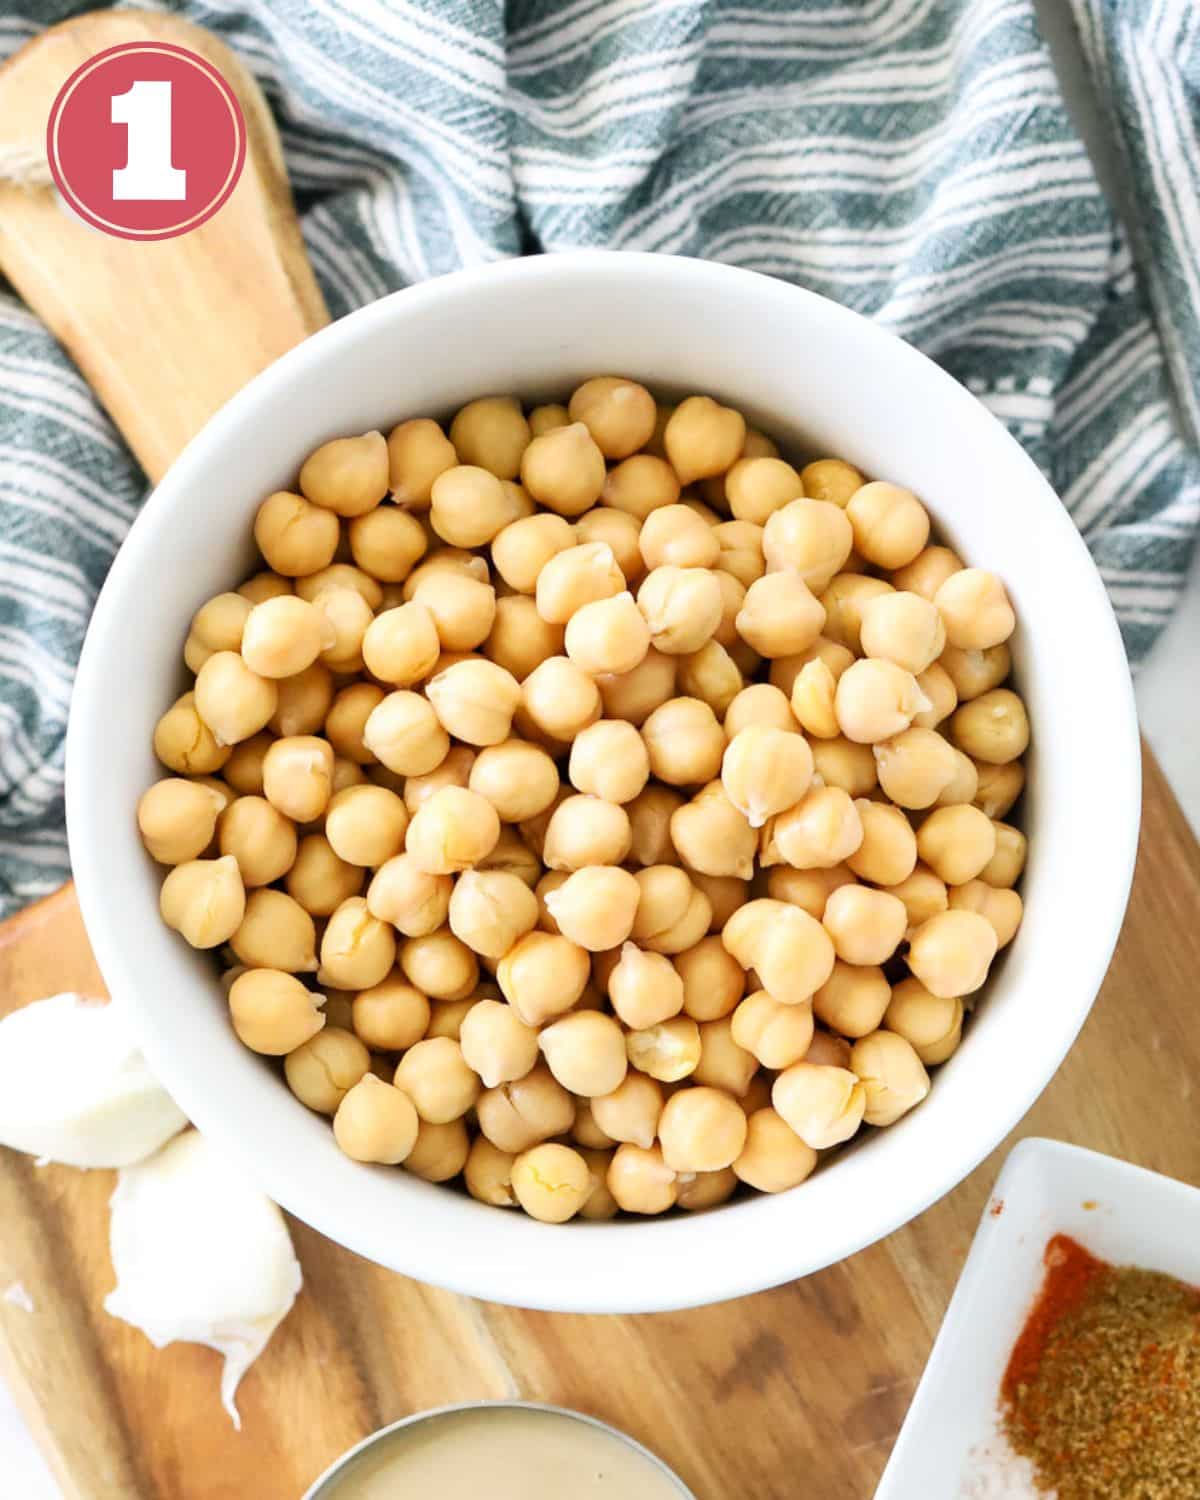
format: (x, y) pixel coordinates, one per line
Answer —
(697, 1280)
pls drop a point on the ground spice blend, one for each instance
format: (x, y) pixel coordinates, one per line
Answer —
(1102, 1391)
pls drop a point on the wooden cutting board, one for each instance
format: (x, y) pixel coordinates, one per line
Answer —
(799, 1391)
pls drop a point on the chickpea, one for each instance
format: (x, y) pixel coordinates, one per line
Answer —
(702, 1130)
(635, 695)
(345, 617)
(724, 894)
(824, 1105)
(681, 606)
(273, 1013)
(447, 1016)
(713, 981)
(443, 560)
(283, 636)
(586, 1053)
(951, 953)
(666, 896)
(390, 1016)
(713, 836)
(586, 831)
(323, 1070)
(217, 626)
(831, 479)
(493, 434)
(177, 820)
(723, 1064)
(551, 1182)
(975, 610)
(853, 999)
(303, 701)
(414, 900)
(357, 949)
(295, 536)
(609, 761)
(759, 704)
(904, 629)
(520, 1114)
(780, 616)
(923, 895)
(347, 720)
(703, 438)
(740, 554)
(640, 1180)
(265, 585)
(582, 574)
(866, 926)
(435, 1076)
(650, 826)
(404, 732)
(668, 1050)
(927, 571)
(231, 700)
(640, 485)
(974, 673)
(891, 526)
(757, 487)
(595, 907)
(1002, 908)
(764, 771)
(998, 787)
(491, 909)
(619, 414)
(711, 675)
(401, 646)
(513, 854)
(618, 530)
(992, 727)
(814, 697)
(560, 699)
(524, 548)
(809, 537)
(823, 829)
(365, 825)
(631, 1111)
(440, 1152)
(608, 636)
(774, 1158)
(564, 470)
(518, 779)
(542, 976)
(387, 543)
(675, 535)
(684, 742)
(789, 950)
(520, 640)
(892, 1074)
(184, 742)
(475, 701)
(337, 577)
(346, 774)
(547, 418)
(348, 475)
(963, 785)
(774, 1034)
(937, 686)
(931, 1026)
(585, 1132)
(275, 933)
(463, 607)
(876, 700)
(204, 900)
(298, 777)
(319, 880)
(375, 1122)
(888, 852)
(418, 451)
(810, 890)
(1005, 866)
(644, 989)
(440, 965)
(844, 601)
(956, 843)
(497, 1044)
(916, 767)
(488, 1174)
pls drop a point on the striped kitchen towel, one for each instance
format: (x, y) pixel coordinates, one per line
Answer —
(911, 158)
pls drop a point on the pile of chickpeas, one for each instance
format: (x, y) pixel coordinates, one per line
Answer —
(591, 804)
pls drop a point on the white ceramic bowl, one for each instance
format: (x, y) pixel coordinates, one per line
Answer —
(821, 379)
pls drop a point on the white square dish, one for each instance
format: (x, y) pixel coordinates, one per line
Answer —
(1120, 1213)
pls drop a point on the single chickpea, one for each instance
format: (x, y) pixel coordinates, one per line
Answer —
(586, 1053)
(640, 1180)
(1005, 866)
(491, 433)
(418, 451)
(551, 1182)
(231, 700)
(542, 976)
(774, 1158)
(586, 831)
(867, 926)
(644, 988)
(440, 1152)
(341, 576)
(650, 826)
(347, 720)
(518, 779)
(810, 890)
(513, 854)
(446, 1016)
(488, 1174)
(892, 1075)
(348, 475)
(578, 575)
(609, 760)
(630, 1112)
(951, 953)
(618, 530)
(975, 610)
(635, 695)
(547, 418)
(876, 700)
(956, 843)
(780, 616)
(931, 1026)
(564, 470)
(757, 487)
(764, 771)
(974, 673)
(217, 626)
(809, 537)
(295, 536)
(303, 701)
(723, 1064)
(521, 1113)
(713, 980)
(204, 900)
(346, 615)
(681, 606)
(265, 585)
(560, 699)
(435, 1076)
(998, 787)
(831, 479)
(491, 909)
(475, 701)
(177, 820)
(323, 1070)
(891, 526)
(497, 1044)
(401, 645)
(1003, 908)
(992, 728)
(607, 636)
(675, 535)
(319, 880)
(365, 825)
(463, 607)
(298, 777)
(440, 965)
(923, 896)
(668, 1050)
(759, 704)
(814, 699)
(823, 829)
(640, 485)
(927, 571)
(595, 908)
(775, 1035)
(903, 628)
(888, 852)
(619, 414)
(824, 1105)
(684, 742)
(853, 999)
(357, 949)
(520, 640)
(703, 438)
(666, 896)
(740, 553)
(916, 766)
(387, 543)
(375, 1122)
(390, 1016)
(284, 636)
(702, 1130)
(711, 675)
(404, 732)
(713, 836)
(273, 1013)
(412, 899)
(260, 838)
(524, 548)
(937, 686)
(789, 950)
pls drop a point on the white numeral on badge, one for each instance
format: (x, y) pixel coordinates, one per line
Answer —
(145, 109)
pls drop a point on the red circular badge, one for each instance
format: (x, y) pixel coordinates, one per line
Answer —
(146, 140)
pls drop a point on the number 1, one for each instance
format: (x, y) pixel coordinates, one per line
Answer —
(145, 110)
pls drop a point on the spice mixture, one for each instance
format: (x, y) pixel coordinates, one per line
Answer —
(1102, 1391)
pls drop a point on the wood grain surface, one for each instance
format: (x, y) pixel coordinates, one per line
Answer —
(795, 1391)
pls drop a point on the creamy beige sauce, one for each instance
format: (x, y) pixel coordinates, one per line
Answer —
(505, 1454)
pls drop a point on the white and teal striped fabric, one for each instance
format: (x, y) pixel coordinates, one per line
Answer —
(911, 158)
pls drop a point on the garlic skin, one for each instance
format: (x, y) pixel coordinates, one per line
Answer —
(74, 1088)
(201, 1256)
